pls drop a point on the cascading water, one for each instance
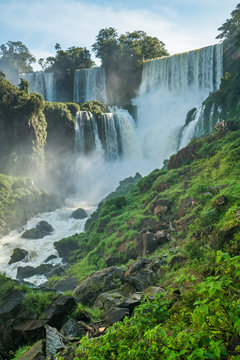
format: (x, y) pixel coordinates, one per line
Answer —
(42, 83)
(170, 87)
(90, 84)
(113, 132)
(40, 249)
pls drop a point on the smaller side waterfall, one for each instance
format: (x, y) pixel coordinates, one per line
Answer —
(43, 83)
(113, 132)
(86, 132)
(90, 84)
(201, 123)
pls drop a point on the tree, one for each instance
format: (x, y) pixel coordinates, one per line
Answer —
(106, 46)
(16, 56)
(133, 47)
(67, 61)
(232, 26)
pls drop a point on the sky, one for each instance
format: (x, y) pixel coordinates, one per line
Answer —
(182, 25)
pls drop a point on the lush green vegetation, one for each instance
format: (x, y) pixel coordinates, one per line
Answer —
(20, 200)
(23, 129)
(203, 323)
(131, 48)
(16, 58)
(231, 26)
(67, 61)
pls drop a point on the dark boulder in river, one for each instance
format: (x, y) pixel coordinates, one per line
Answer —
(79, 214)
(17, 255)
(43, 228)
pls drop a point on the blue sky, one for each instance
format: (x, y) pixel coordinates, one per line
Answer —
(181, 24)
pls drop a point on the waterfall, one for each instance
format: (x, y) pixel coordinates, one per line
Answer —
(170, 87)
(113, 132)
(43, 83)
(90, 84)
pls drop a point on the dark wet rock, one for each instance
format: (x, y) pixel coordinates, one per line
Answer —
(43, 228)
(36, 352)
(66, 284)
(72, 329)
(28, 271)
(145, 244)
(161, 237)
(115, 314)
(51, 257)
(65, 247)
(131, 302)
(101, 281)
(185, 155)
(141, 280)
(142, 274)
(10, 307)
(59, 310)
(108, 299)
(177, 259)
(55, 342)
(18, 255)
(30, 329)
(79, 214)
(111, 260)
(57, 270)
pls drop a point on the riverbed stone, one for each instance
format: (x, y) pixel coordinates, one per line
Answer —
(79, 214)
(17, 255)
(43, 228)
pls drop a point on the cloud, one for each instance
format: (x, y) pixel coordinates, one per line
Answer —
(40, 24)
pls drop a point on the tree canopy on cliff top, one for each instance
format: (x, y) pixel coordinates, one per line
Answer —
(134, 47)
(67, 60)
(231, 26)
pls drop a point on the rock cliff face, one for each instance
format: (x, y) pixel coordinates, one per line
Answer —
(23, 130)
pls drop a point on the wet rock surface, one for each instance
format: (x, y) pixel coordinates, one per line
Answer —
(43, 228)
(18, 255)
(79, 214)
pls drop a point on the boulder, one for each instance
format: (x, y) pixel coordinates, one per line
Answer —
(17, 255)
(36, 352)
(43, 228)
(72, 329)
(50, 257)
(79, 214)
(66, 284)
(55, 342)
(57, 270)
(108, 299)
(142, 274)
(101, 281)
(11, 306)
(177, 259)
(115, 314)
(59, 310)
(161, 237)
(24, 272)
(65, 247)
(131, 302)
